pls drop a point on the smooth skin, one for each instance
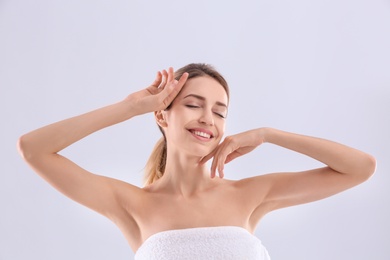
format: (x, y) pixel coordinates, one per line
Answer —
(189, 194)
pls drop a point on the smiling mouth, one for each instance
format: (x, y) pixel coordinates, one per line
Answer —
(201, 134)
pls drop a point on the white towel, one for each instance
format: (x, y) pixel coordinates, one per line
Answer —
(224, 242)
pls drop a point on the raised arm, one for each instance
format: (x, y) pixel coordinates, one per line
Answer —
(40, 148)
(345, 168)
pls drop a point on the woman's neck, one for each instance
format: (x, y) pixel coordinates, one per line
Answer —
(184, 175)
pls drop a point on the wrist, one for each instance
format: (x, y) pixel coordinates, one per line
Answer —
(130, 108)
(265, 134)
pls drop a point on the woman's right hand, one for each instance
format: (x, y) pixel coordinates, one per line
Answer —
(159, 94)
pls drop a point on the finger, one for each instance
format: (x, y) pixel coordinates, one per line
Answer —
(163, 80)
(225, 150)
(218, 168)
(157, 80)
(221, 166)
(174, 88)
(170, 74)
(212, 172)
(216, 157)
(214, 164)
(221, 173)
(207, 157)
(231, 157)
(183, 79)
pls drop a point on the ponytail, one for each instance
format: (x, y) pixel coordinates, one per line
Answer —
(155, 166)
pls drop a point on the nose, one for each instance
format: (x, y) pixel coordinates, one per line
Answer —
(207, 118)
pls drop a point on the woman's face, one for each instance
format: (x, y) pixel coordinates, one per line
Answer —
(195, 123)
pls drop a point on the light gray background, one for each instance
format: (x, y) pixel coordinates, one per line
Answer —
(314, 67)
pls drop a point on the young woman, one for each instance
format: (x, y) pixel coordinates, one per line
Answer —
(185, 211)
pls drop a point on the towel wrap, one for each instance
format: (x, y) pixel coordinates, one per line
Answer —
(223, 242)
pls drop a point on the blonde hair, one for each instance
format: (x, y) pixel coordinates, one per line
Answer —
(155, 166)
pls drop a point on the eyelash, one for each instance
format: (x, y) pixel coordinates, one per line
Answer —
(192, 106)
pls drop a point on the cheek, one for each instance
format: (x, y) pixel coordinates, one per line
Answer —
(175, 123)
(221, 127)
(221, 132)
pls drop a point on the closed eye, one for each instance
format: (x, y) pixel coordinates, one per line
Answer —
(192, 106)
(220, 115)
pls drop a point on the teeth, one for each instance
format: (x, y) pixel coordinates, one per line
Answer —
(202, 134)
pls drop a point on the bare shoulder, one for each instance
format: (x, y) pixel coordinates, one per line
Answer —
(268, 192)
(128, 194)
(254, 193)
(257, 185)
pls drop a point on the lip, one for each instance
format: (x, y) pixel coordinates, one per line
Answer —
(191, 130)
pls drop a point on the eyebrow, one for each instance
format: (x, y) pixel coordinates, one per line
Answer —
(203, 99)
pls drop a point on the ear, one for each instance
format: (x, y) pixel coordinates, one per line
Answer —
(160, 118)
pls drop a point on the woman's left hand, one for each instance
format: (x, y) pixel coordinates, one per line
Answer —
(233, 147)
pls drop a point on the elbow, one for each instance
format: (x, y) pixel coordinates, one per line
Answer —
(369, 167)
(24, 148)
(372, 165)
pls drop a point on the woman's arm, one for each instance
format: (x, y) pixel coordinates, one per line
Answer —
(339, 157)
(346, 167)
(40, 147)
